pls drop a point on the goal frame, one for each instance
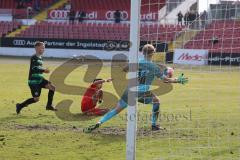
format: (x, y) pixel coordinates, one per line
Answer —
(132, 80)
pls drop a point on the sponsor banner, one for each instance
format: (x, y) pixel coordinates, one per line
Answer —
(100, 15)
(106, 45)
(64, 53)
(64, 14)
(224, 59)
(67, 44)
(190, 56)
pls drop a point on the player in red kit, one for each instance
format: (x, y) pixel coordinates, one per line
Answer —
(92, 96)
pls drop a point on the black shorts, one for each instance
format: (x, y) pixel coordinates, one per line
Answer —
(37, 88)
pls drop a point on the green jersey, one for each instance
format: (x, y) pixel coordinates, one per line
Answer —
(36, 70)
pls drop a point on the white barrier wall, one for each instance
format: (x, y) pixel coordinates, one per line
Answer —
(4, 17)
(190, 56)
(61, 53)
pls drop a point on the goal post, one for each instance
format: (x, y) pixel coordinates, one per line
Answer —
(132, 76)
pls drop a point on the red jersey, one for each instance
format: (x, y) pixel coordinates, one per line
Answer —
(87, 100)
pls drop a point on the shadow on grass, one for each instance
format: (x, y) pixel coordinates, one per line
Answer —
(63, 112)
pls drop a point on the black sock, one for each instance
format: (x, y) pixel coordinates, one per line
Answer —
(27, 102)
(50, 97)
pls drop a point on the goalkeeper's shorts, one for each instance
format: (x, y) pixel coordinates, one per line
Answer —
(143, 97)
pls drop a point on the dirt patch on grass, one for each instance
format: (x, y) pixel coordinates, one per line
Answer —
(111, 131)
(141, 132)
(37, 127)
(115, 131)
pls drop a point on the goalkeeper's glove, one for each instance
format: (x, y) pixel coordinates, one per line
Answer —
(181, 79)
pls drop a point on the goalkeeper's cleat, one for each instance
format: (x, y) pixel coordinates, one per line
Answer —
(18, 108)
(157, 128)
(181, 79)
(184, 81)
(91, 128)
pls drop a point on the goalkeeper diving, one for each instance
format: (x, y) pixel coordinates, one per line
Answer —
(147, 72)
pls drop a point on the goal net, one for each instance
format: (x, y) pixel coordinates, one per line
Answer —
(201, 118)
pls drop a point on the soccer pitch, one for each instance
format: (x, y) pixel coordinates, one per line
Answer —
(201, 119)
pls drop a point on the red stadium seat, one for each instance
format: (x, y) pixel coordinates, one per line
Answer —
(7, 27)
(103, 31)
(226, 32)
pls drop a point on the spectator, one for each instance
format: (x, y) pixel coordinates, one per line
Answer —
(196, 15)
(117, 16)
(180, 17)
(186, 18)
(68, 6)
(20, 5)
(197, 20)
(191, 17)
(29, 12)
(204, 18)
(36, 5)
(81, 16)
(214, 40)
(72, 16)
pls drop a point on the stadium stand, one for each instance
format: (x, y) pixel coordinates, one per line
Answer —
(12, 4)
(84, 5)
(99, 31)
(20, 13)
(221, 36)
(6, 27)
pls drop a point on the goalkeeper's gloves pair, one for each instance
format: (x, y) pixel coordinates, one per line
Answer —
(181, 79)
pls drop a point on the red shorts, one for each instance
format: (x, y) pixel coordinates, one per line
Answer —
(96, 112)
(89, 108)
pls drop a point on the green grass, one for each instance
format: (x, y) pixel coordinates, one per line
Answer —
(210, 132)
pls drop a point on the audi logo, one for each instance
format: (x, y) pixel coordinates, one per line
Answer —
(110, 15)
(19, 42)
(58, 14)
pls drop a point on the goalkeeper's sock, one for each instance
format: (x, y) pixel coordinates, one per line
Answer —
(108, 116)
(155, 112)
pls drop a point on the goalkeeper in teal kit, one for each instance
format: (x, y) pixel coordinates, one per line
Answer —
(147, 71)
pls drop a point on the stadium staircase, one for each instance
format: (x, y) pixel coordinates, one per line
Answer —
(39, 17)
(183, 38)
(183, 7)
(221, 36)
